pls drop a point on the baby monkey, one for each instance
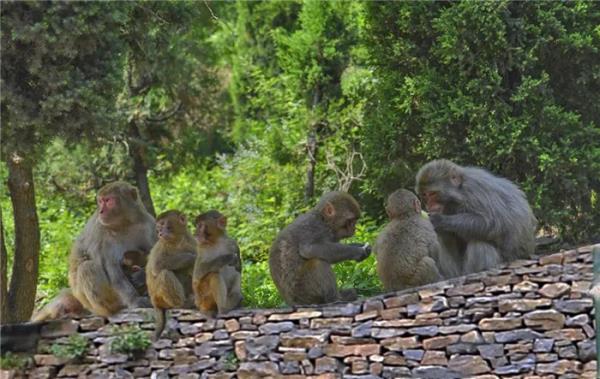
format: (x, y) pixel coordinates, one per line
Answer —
(408, 246)
(133, 265)
(168, 272)
(218, 267)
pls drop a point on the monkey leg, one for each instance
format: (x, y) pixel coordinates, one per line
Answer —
(218, 289)
(95, 292)
(203, 295)
(425, 272)
(480, 256)
(234, 289)
(170, 293)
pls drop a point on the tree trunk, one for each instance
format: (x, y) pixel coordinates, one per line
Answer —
(23, 283)
(140, 169)
(3, 274)
(311, 149)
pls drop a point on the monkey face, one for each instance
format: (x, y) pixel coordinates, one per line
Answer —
(346, 226)
(108, 209)
(210, 226)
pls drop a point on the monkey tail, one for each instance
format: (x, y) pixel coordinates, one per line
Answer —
(161, 320)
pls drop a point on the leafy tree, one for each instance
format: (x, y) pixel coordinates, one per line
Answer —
(59, 75)
(510, 86)
(172, 88)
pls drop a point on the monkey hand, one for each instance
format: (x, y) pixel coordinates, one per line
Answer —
(437, 220)
(366, 250)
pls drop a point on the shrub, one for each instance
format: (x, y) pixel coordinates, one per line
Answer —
(129, 339)
(75, 348)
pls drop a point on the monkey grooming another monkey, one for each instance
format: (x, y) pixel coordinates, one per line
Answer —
(169, 268)
(218, 267)
(406, 246)
(64, 305)
(302, 254)
(482, 220)
(120, 224)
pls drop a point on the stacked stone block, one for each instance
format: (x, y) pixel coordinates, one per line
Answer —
(531, 319)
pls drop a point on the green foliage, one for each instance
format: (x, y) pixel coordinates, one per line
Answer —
(59, 70)
(12, 361)
(129, 339)
(231, 362)
(74, 348)
(503, 85)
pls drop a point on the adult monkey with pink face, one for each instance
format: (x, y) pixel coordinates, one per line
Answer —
(302, 254)
(120, 224)
(482, 220)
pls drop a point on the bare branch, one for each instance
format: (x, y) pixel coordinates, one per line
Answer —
(346, 175)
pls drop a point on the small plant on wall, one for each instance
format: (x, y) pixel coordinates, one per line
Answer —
(74, 349)
(130, 340)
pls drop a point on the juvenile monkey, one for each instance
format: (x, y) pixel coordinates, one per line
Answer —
(303, 252)
(120, 223)
(168, 272)
(218, 267)
(407, 246)
(64, 305)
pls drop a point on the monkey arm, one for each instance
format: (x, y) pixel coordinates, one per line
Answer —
(467, 226)
(178, 261)
(121, 284)
(212, 264)
(332, 252)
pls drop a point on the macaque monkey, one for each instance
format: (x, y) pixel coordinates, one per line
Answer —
(134, 264)
(120, 224)
(64, 305)
(218, 267)
(169, 268)
(302, 254)
(407, 245)
(482, 220)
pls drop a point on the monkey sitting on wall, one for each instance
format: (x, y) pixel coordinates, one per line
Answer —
(407, 246)
(482, 220)
(218, 267)
(120, 224)
(302, 254)
(169, 268)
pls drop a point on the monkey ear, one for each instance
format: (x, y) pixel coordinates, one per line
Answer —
(134, 194)
(456, 178)
(329, 210)
(183, 219)
(417, 206)
(222, 222)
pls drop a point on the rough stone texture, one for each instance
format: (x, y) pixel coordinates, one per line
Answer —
(532, 319)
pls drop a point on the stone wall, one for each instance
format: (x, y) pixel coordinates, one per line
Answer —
(531, 319)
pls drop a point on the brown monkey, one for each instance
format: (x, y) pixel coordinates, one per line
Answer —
(64, 305)
(481, 219)
(218, 267)
(303, 252)
(169, 268)
(407, 246)
(134, 265)
(121, 223)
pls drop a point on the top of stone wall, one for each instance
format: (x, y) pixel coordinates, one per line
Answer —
(532, 318)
